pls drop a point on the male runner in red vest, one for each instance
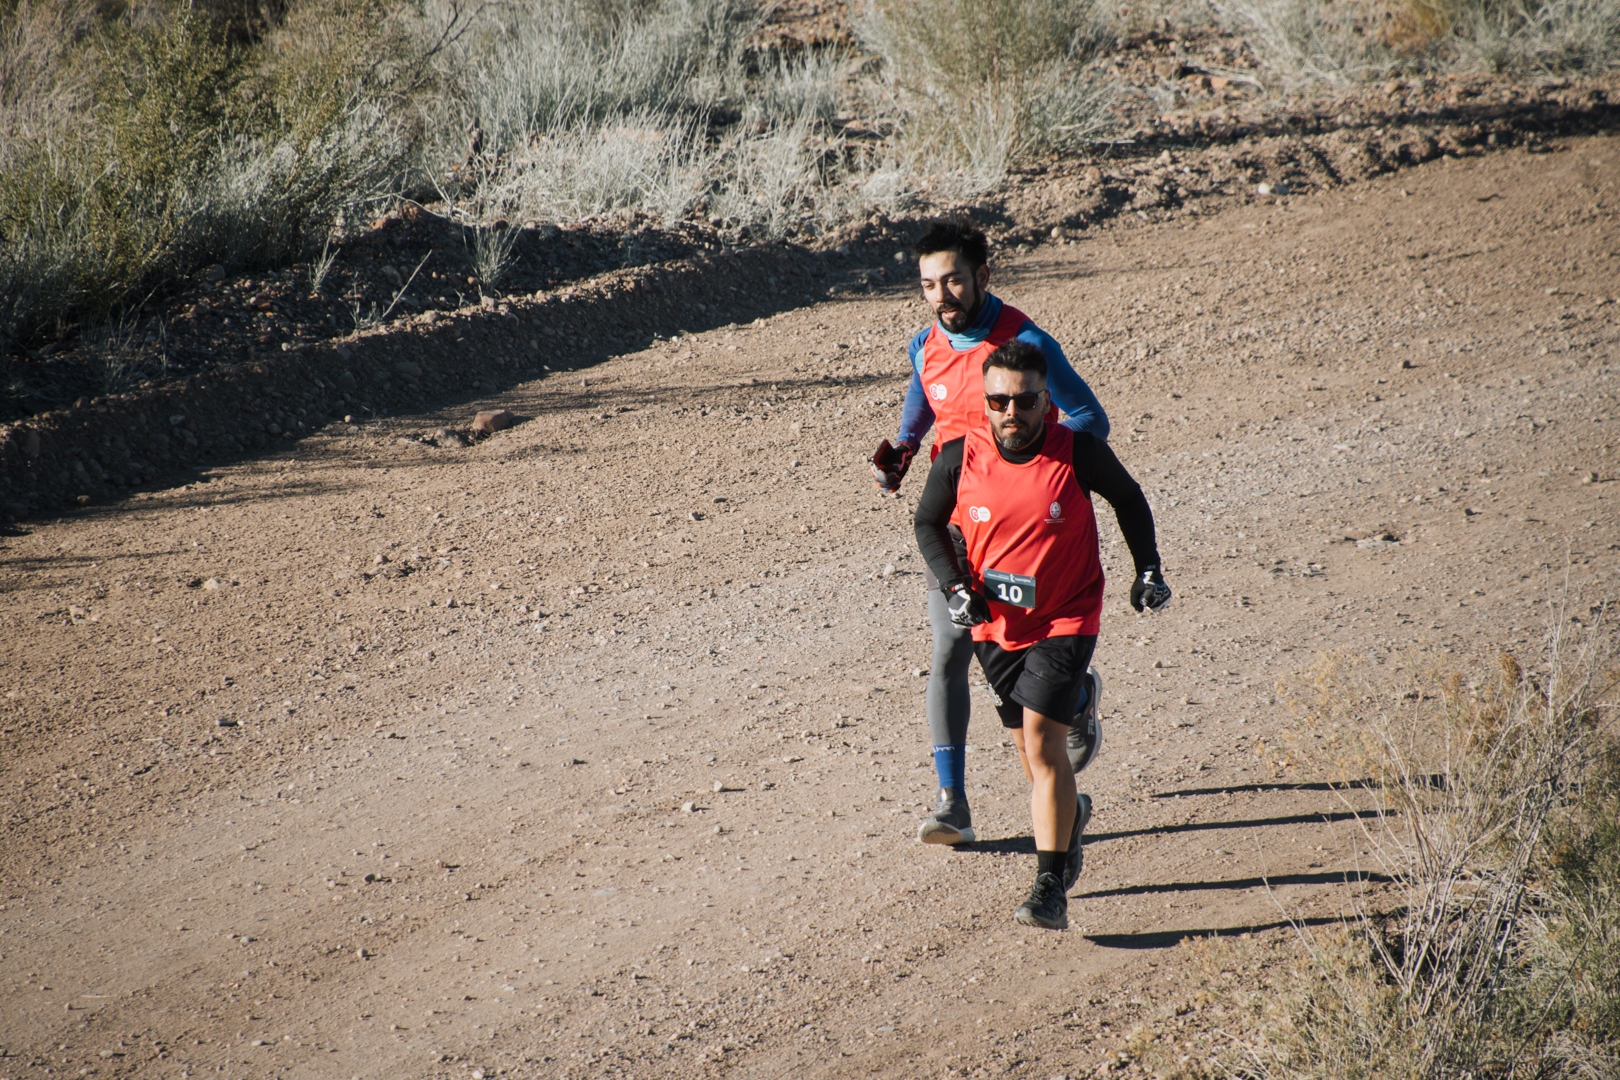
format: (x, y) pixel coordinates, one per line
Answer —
(946, 387)
(1031, 585)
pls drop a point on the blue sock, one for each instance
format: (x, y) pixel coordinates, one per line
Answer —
(1085, 696)
(950, 762)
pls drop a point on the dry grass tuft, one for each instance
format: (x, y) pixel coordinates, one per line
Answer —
(1342, 42)
(980, 83)
(1499, 820)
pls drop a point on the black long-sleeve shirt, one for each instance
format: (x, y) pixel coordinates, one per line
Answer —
(1096, 470)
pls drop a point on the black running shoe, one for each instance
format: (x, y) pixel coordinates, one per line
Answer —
(1077, 854)
(1085, 734)
(1047, 906)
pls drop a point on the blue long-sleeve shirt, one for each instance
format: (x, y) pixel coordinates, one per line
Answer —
(1069, 391)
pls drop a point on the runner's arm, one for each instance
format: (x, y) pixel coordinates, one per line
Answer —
(1099, 471)
(916, 414)
(1069, 391)
(934, 511)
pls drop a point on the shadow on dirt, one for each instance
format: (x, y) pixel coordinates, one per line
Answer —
(1434, 780)
(1025, 845)
(1166, 939)
(1252, 823)
(99, 451)
(1343, 877)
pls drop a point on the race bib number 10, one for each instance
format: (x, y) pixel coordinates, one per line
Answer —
(1014, 589)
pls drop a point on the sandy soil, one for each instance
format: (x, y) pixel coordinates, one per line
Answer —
(596, 749)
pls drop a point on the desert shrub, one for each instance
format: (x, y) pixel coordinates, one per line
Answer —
(43, 76)
(195, 152)
(1520, 36)
(1311, 41)
(648, 161)
(981, 82)
(567, 114)
(1497, 821)
(1342, 42)
(532, 69)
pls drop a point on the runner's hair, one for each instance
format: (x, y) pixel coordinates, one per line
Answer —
(957, 234)
(1017, 355)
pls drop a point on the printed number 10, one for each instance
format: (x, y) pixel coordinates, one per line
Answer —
(1010, 594)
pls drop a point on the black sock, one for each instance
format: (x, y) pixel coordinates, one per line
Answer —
(1050, 862)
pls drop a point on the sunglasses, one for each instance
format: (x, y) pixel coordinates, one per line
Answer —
(1025, 401)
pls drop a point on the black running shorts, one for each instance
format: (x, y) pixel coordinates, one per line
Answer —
(1046, 677)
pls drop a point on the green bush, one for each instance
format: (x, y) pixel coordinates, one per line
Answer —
(196, 151)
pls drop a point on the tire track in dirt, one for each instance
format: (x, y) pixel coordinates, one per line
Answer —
(489, 680)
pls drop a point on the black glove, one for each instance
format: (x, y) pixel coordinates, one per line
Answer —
(1149, 590)
(967, 607)
(890, 463)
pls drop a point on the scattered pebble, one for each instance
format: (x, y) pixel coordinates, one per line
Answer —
(688, 807)
(226, 721)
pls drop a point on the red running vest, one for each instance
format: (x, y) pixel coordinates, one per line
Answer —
(954, 381)
(1033, 521)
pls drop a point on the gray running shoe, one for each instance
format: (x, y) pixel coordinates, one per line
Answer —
(1085, 734)
(1077, 854)
(1047, 906)
(950, 823)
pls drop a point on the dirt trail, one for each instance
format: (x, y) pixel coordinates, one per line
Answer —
(596, 750)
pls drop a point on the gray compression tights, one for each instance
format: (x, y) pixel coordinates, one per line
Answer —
(947, 696)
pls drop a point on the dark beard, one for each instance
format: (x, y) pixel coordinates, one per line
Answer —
(965, 316)
(1019, 440)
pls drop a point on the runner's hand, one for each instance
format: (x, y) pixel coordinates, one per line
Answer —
(1149, 590)
(890, 463)
(967, 608)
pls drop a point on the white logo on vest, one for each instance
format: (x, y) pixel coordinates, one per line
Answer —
(979, 513)
(937, 391)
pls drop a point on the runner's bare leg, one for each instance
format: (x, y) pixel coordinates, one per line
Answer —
(1043, 752)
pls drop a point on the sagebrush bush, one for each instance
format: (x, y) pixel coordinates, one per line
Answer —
(660, 109)
(527, 69)
(981, 82)
(1340, 42)
(1300, 42)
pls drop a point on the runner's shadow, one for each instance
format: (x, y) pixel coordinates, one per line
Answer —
(1339, 877)
(1025, 845)
(1434, 780)
(1011, 845)
(1252, 823)
(1165, 939)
